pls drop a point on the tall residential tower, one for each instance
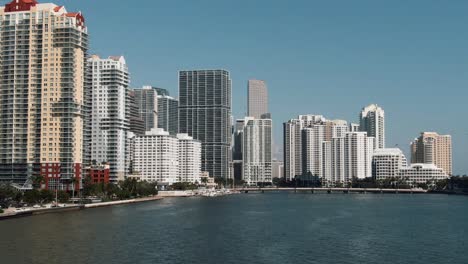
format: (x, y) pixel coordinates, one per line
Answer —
(372, 121)
(205, 114)
(42, 92)
(110, 114)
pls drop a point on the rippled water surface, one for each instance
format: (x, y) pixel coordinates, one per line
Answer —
(249, 228)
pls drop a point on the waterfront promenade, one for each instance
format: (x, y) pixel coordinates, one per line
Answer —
(329, 190)
(72, 207)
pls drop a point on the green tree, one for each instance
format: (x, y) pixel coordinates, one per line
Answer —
(32, 197)
(37, 181)
(63, 197)
(220, 181)
(204, 180)
(46, 196)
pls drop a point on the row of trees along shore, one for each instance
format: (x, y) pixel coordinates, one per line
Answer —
(127, 189)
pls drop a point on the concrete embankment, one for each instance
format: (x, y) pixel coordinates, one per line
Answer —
(32, 212)
(138, 200)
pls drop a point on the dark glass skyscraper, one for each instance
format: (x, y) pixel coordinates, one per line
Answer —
(205, 114)
(168, 114)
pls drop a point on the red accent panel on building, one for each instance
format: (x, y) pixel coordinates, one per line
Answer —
(22, 5)
(99, 175)
(80, 21)
(51, 171)
(57, 8)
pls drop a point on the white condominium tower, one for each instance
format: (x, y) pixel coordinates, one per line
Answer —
(43, 63)
(205, 114)
(358, 150)
(257, 97)
(110, 112)
(372, 121)
(256, 151)
(432, 148)
(387, 163)
(167, 159)
(312, 152)
(189, 159)
(293, 143)
(346, 157)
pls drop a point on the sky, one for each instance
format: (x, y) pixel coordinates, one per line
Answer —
(318, 57)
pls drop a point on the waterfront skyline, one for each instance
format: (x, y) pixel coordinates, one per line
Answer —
(339, 59)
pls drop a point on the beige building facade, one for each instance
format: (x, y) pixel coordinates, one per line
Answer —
(432, 148)
(42, 99)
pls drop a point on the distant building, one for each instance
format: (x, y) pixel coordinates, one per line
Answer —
(358, 149)
(156, 157)
(257, 99)
(312, 149)
(256, 151)
(387, 163)
(146, 99)
(372, 121)
(137, 125)
(205, 115)
(110, 114)
(237, 149)
(167, 159)
(277, 169)
(422, 173)
(354, 127)
(432, 148)
(292, 141)
(168, 114)
(189, 159)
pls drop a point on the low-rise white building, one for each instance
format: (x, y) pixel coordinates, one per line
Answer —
(167, 159)
(387, 163)
(422, 173)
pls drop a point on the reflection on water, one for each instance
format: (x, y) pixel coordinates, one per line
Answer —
(253, 228)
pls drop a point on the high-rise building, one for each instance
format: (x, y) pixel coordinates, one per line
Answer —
(257, 99)
(237, 149)
(137, 125)
(358, 156)
(292, 141)
(387, 163)
(205, 114)
(42, 93)
(256, 151)
(337, 161)
(110, 114)
(432, 148)
(167, 159)
(168, 114)
(146, 99)
(189, 159)
(312, 149)
(372, 121)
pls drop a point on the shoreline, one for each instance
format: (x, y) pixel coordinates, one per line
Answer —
(72, 207)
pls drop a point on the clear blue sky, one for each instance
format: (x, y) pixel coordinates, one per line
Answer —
(318, 57)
